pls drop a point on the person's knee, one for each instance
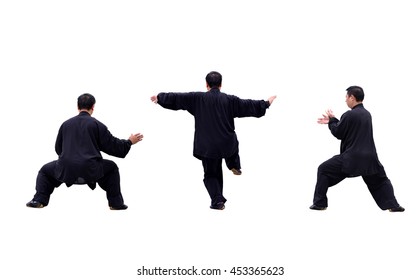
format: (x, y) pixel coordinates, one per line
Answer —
(114, 167)
(322, 167)
(110, 166)
(47, 168)
(333, 165)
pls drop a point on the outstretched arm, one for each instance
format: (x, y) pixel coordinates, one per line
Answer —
(174, 100)
(250, 107)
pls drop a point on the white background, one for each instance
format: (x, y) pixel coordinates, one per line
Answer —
(123, 52)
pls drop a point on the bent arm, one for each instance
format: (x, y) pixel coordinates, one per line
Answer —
(111, 145)
(337, 127)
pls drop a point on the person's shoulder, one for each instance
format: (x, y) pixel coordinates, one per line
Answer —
(230, 96)
(226, 96)
(364, 110)
(96, 121)
(347, 113)
(71, 119)
(195, 95)
(87, 118)
(359, 109)
(95, 124)
(359, 106)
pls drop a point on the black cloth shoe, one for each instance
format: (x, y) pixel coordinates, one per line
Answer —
(397, 209)
(316, 207)
(34, 204)
(236, 171)
(218, 206)
(121, 207)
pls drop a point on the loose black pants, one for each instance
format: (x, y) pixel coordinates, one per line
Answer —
(213, 176)
(110, 183)
(330, 174)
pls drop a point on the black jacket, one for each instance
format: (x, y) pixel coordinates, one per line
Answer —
(214, 114)
(357, 149)
(79, 143)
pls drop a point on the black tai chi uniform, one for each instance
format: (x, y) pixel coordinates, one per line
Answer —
(214, 137)
(79, 143)
(357, 157)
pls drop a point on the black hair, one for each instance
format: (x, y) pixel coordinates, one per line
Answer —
(85, 101)
(214, 79)
(357, 92)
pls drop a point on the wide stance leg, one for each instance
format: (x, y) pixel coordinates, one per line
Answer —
(382, 190)
(110, 183)
(46, 183)
(329, 174)
(213, 179)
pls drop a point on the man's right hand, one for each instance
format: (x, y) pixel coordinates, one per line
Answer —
(135, 138)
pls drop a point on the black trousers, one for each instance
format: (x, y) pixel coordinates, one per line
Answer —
(330, 174)
(213, 175)
(110, 183)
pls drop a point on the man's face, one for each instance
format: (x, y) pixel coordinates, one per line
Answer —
(349, 100)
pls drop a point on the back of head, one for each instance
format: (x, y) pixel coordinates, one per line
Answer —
(214, 79)
(357, 92)
(85, 101)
